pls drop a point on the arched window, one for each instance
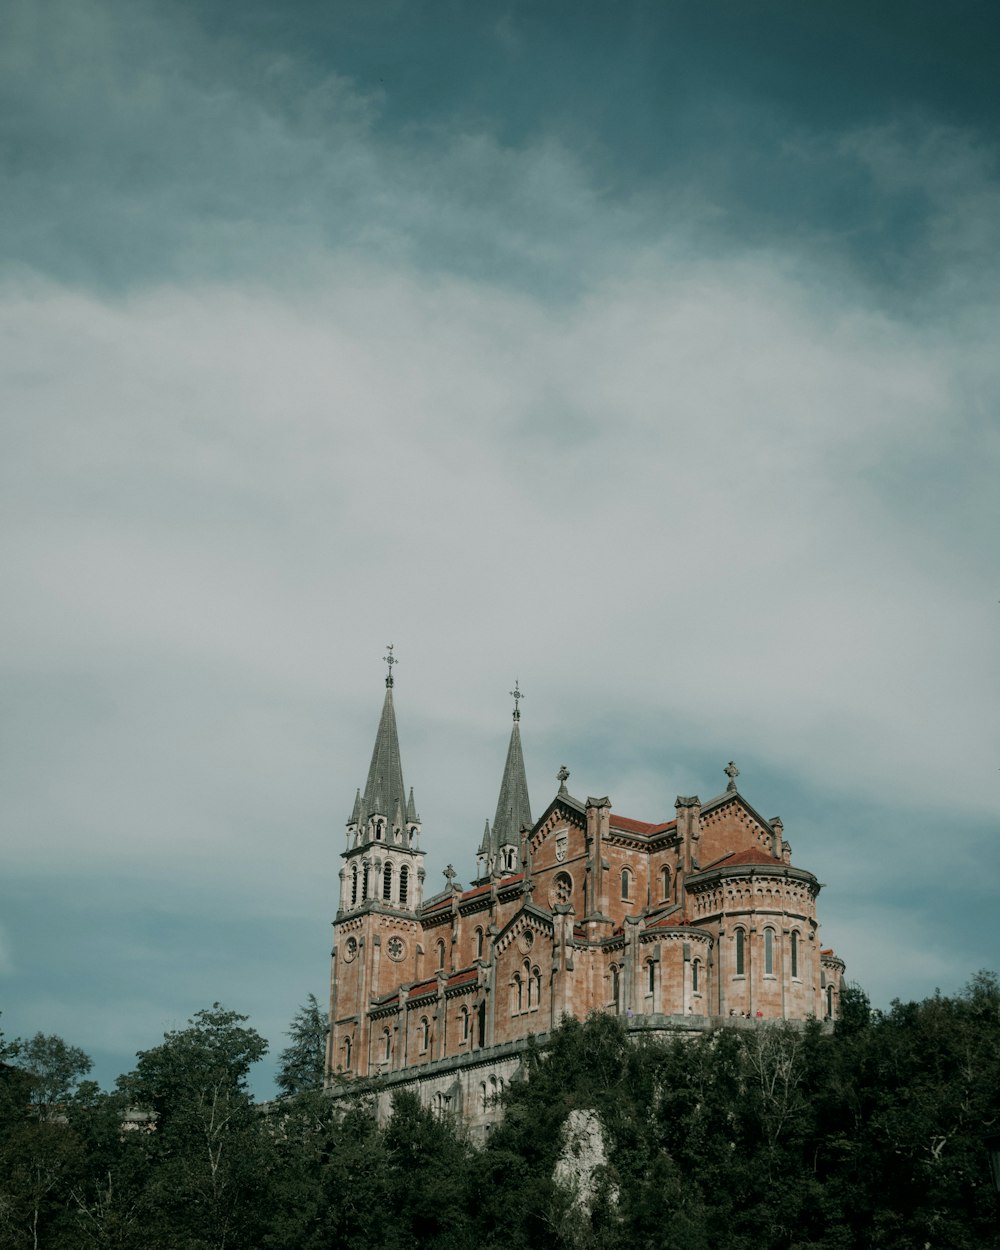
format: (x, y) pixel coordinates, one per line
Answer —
(347, 1054)
(354, 884)
(440, 954)
(387, 883)
(479, 943)
(518, 993)
(665, 882)
(795, 953)
(424, 1034)
(404, 884)
(740, 953)
(481, 1024)
(511, 861)
(829, 1001)
(626, 883)
(769, 952)
(386, 1044)
(615, 985)
(650, 976)
(484, 1096)
(379, 829)
(465, 1024)
(537, 977)
(695, 975)
(364, 883)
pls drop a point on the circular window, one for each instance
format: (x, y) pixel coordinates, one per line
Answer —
(396, 948)
(526, 941)
(350, 949)
(562, 888)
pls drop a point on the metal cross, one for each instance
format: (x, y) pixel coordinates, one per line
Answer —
(732, 772)
(517, 696)
(562, 776)
(450, 873)
(390, 659)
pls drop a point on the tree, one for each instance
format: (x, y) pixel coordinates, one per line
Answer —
(301, 1065)
(208, 1151)
(55, 1071)
(41, 1154)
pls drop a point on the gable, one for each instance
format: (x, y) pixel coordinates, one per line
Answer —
(730, 826)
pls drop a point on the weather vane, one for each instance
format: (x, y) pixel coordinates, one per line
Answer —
(390, 659)
(517, 696)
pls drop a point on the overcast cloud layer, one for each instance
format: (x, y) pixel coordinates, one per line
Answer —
(648, 358)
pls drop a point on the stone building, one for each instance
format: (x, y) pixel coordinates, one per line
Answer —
(677, 925)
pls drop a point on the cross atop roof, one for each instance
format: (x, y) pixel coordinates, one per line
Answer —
(390, 659)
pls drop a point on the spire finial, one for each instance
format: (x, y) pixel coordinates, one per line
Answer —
(390, 659)
(732, 772)
(562, 776)
(517, 696)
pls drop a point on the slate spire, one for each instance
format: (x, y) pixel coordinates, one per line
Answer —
(513, 805)
(384, 793)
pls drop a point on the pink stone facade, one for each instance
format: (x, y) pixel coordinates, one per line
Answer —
(700, 918)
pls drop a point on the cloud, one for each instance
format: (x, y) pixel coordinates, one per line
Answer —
(296, 380)
(227, 482)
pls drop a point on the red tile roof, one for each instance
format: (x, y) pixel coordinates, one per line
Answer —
(752, 856)
(456, 978)
(628, 825)
(668, 922)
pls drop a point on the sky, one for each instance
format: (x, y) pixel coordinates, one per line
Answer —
(642, 353)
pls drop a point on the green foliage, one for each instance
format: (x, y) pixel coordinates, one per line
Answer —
(767, 1137)
(300, 1065)
(54, 1069)
(207, 1157)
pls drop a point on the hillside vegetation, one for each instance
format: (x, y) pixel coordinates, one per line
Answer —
(757, 1138)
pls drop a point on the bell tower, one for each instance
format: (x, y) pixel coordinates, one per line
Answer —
(376, 931)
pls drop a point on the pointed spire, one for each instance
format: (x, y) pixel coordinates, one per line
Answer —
(384, 790)
(411, 810)
(513, 805)
(484, 846)
(356, 810)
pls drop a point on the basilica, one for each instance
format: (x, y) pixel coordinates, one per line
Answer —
(686, 924)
